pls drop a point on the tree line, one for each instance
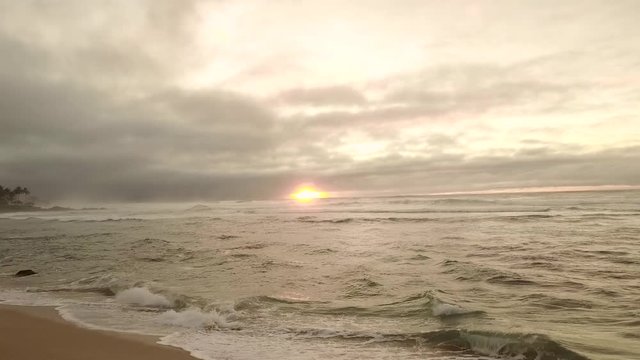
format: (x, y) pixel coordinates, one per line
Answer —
(15, 197)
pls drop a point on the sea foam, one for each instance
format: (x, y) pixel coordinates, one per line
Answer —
(444, 309)
(196, 319)
(143, 297)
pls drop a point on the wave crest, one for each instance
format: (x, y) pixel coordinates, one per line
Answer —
(494, 344)
(197, 319)
(143, 297)
(441, 309)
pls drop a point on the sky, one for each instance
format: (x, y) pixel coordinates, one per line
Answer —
(169, 100)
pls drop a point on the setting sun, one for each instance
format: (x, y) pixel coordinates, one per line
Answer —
(308, 193)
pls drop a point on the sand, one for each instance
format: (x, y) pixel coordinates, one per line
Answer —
(39, 333)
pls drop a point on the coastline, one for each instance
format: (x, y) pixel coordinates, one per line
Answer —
(39, 332)
(33, 208)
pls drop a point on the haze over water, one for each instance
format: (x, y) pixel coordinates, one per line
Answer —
(511, 276)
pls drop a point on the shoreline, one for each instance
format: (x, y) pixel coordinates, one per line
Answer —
(39, 332)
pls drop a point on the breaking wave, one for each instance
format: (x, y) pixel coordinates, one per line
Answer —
(143, 297)
(496, 344)
(421, 306)
(194, 318)
(440, 309)
(126, 293)
(106, 285)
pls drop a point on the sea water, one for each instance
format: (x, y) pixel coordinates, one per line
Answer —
(511, 276)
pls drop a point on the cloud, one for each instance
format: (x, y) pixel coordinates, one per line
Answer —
(70, 141)
(448, 172)
(465, 93)
(112, 45)
(94, 104)
(322, 96)
(465, 89)
(67, 139)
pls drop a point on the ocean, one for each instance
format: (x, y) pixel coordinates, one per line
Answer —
(509, 276)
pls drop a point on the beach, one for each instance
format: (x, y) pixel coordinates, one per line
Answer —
(35, 333)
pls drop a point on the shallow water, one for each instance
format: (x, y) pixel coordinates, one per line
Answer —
(533, 276)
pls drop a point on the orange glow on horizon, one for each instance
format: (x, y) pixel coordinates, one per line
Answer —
(308, 193)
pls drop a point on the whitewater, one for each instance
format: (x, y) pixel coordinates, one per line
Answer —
(503, 276)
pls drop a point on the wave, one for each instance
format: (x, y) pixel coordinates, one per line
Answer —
(445, 201)
(552, 302)
(138, 296)
(311, 219)
(469, 271)
(577, 208)
(105, 290)
(528, 217)
(423, 305)
(106, 285)
(323, 251)
(107, 220)
(405, 219)
(412, 306)
(416, 219)
(510, 279)
(608, 216)
(457, 201)
(143, 297)
(440, 309)
(440, 211)
(419, 257)
(125, 292)
(33, 238)
(253, 246)
(195, 318)
(486, 343)
(159, 250)
(264, 301)
(198, 208)
(362, 287)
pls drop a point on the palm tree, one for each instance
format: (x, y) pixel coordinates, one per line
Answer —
(18, 196)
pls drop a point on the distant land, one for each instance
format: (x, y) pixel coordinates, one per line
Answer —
(543, 189)
(20, 199)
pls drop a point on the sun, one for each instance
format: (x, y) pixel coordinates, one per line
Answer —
(307, 194)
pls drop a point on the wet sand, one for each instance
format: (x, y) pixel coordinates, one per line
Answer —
(36, 333)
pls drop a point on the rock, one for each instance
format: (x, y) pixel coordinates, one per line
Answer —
(27, 272)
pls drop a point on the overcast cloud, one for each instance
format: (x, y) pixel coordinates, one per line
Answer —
(185, 100)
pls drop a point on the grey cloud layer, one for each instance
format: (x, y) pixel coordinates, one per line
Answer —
(467, 89)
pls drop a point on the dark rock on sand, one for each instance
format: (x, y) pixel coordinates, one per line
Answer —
(27, 272)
